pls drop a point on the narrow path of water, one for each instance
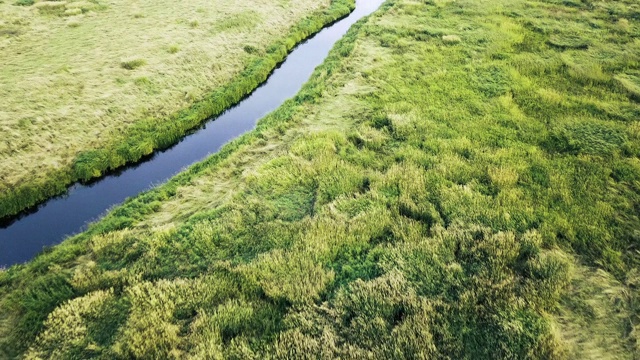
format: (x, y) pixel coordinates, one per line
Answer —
(49, 223)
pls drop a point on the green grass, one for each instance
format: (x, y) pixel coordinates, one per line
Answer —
(72, 108)
(419, 198)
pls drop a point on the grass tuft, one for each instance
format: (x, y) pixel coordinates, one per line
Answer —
(74, 23)
(132, 63)
(24, 2)
(51, 7)
(173, 49)
(451, 39)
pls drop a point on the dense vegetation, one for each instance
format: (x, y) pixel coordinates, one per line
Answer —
(79, 101)
(460, 179)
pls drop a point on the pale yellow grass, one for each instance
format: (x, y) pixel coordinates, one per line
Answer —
(64, 87)
(594, 317)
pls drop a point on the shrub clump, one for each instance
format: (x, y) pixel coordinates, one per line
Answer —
(24, 2)
(133, 63)
(173, 49)
(51, 7)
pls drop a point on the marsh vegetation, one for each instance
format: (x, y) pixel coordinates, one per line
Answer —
(459, 179)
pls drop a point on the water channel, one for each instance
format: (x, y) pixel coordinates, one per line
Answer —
(27, 234)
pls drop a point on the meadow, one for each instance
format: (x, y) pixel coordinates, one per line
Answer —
(458, 180)
(88, 86)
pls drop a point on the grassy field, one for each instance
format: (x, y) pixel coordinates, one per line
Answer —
(460, 179)
(89, 86)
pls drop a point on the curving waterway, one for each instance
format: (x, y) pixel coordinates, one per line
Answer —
(24, 236)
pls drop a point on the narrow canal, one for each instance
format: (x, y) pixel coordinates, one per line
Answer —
(22, 237)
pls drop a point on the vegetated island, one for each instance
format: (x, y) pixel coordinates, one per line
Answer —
(459, 179)
(88, 86)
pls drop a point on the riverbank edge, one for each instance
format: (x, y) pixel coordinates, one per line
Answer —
(152, 134)
(134, 208)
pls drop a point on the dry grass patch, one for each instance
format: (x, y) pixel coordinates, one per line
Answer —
(595, 315)
(631, 84)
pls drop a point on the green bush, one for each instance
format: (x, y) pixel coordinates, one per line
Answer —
(24, 2)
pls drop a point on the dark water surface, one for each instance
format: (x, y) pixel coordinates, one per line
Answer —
(25, 236)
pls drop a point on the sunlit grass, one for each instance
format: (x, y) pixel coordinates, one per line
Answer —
(468, 200)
